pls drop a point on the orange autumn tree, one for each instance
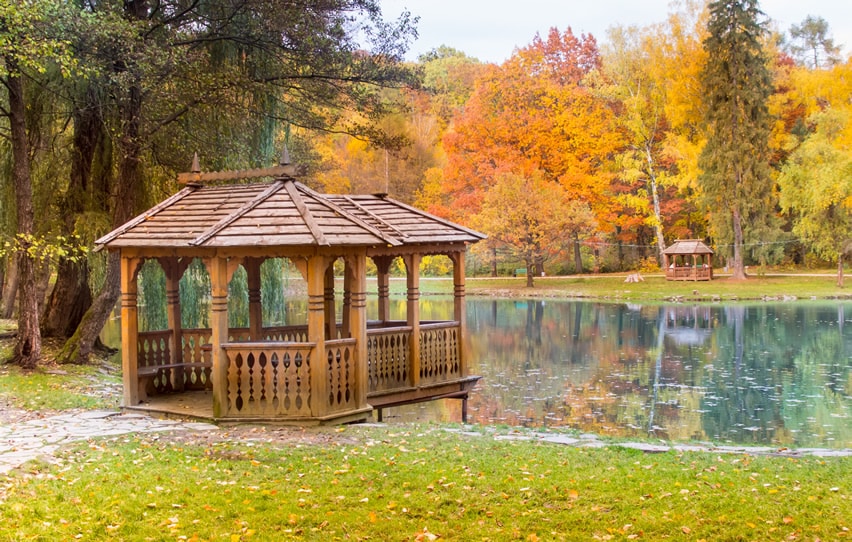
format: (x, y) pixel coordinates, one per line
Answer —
(527, 215)
(533, 113)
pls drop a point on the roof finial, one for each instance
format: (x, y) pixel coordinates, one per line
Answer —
(285, 157)
(196, 166)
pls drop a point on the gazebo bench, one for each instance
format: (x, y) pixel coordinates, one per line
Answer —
(147, 374)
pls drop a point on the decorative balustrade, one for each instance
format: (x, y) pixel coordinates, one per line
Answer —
(439, 352)
(388, 365)
(272, 379)
(154, 348)
(269, 379)
(154, 358)
(696, 272)
(196, 359)
(295, 334)
(340, 356)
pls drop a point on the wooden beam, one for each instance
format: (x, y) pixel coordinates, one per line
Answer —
(310, 222)
(289, 170)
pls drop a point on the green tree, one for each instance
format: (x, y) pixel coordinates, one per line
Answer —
(811, 45)
(29, 47)
(816, 188)
(735, 182)
(225, 78)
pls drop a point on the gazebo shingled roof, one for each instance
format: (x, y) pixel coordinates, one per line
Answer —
(283, 212)
(687, 246)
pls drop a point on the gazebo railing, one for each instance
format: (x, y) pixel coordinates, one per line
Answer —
(388, 365)
(439, 352)
(342, 374)
(689, 273)
(269, 379)
(272, 378)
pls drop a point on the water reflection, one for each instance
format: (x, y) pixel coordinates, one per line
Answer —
(747, 374)
(767, 374)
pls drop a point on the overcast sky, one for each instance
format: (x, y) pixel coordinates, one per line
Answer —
(491, 29)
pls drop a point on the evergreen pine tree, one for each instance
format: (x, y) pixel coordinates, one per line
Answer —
(736, 83)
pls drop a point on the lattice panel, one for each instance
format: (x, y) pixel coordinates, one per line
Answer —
(387, 358)
(269, 381)
(341, 374)
(439, 354)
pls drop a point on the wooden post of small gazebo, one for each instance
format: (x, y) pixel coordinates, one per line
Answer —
(130, 329)
(252, 267)
(217, 268)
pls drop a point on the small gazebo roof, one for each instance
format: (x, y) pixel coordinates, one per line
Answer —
(282, 212)
(687, 246)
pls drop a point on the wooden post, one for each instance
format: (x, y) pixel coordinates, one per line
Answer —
(129, 330)
(172, 268)
(460, 309)
(217, 267)
(328, 297)
(348, 282)
(383, 264)
(356, 275)
(412, 313)
(252, 266)
(316, 268)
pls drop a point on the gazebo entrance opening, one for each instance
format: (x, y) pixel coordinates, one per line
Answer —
(336, 366)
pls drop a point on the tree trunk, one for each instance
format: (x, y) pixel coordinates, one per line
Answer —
(28, 346)
(69, 300)
(578, 258)
(738, 271)
(658, 215)
(530, 271)
(71, 295)
(840, 271)
(10, 289)
(81, 345)
(494, 262)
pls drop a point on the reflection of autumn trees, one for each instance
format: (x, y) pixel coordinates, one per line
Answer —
(724, 374)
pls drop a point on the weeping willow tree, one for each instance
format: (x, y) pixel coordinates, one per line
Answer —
(238, 299)
(264, 65)
(152, 297)
(195, 296)
(272, 293)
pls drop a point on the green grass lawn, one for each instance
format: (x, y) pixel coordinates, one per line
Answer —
(58, 388)
(420, 483)
(613, 287)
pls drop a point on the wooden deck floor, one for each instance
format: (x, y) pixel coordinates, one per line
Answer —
(199, 404)
(189, 404)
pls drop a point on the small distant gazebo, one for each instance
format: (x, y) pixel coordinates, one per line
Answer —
(688, 259)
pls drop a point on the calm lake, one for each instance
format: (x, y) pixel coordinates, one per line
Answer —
(758, 374)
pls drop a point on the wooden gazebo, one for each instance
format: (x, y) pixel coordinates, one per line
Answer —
(330, 370)
(688, 259)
